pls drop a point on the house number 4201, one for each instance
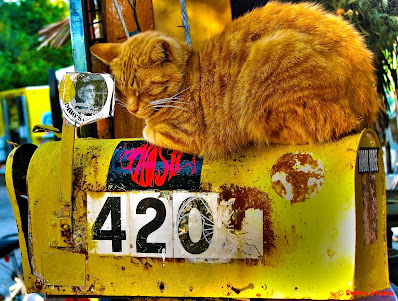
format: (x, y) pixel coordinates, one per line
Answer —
(169, 225)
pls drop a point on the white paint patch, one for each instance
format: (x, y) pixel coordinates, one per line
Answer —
(297, 176)
(288, 193)
(250, 244)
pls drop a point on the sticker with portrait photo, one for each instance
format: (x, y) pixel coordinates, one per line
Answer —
(86, 97)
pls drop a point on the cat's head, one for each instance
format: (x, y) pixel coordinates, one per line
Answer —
(147, 67)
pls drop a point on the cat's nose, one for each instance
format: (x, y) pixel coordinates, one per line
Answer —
(132, 106)
(133, 109)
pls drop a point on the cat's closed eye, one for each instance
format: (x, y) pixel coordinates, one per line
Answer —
(158, 90)
(269, 77)
(160, 82)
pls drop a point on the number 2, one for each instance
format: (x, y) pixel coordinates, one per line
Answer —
(142, 245)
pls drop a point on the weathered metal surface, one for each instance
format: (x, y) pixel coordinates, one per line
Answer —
(16, 172)
(240, 235)
(72, 272)
(61, 222)
(370, 214)
(297, 177)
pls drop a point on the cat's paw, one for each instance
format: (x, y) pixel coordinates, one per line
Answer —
(156, 136)
(163, 136)
(149, 135)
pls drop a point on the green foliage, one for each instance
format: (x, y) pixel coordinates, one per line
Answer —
(21, 63)
(378, 23)
(375, 19)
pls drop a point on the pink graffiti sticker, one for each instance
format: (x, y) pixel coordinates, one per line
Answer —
(138, 165)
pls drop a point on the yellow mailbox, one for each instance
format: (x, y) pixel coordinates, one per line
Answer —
(21, 109)
(286, 221)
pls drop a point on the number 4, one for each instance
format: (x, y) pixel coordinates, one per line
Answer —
(116, 234)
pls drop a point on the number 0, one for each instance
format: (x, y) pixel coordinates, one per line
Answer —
(207, 225)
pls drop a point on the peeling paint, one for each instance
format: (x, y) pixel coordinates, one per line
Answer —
(161, 286)
(250, 198)
(297, 177)
(369, 202)
(66, 234)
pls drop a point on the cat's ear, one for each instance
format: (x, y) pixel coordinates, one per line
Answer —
(106, 52)
(160, 51)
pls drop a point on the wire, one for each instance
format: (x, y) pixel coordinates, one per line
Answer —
(119, 12)
(185, 23)
(134, 8)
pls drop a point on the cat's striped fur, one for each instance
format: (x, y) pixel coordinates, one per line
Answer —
(284, 73)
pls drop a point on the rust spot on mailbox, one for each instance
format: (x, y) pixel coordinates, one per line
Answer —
(297, 177)
(66, 234)
(246, 198)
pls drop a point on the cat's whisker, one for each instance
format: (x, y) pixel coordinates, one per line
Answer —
(166, 101)
(168, 106)
(168, 98)
(172, 97)
(162, 100)
(118, 100)
(120, 103)
(169, 85)
(121, 106)
(181, 91)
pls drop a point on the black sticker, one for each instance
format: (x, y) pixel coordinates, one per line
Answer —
(368, 160)
(139, 165)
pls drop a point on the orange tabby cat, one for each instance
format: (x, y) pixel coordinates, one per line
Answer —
(284, 73)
